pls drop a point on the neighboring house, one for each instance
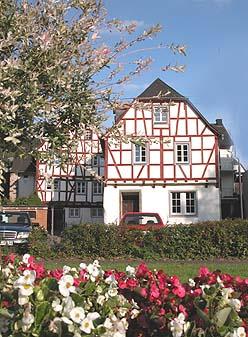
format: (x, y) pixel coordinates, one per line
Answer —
(71, 191)
(176, 173)
(21, 178)
(230, 170)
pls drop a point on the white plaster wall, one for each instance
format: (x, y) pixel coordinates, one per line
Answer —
(157, 200)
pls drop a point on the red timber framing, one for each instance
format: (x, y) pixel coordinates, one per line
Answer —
(68, 176)
(185, 126)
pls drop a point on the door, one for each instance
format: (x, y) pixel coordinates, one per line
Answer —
(130, 202)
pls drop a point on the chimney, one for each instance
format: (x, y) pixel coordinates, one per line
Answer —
(219, 121)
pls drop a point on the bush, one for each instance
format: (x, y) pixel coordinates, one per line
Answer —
(219, 239)
(32, 200)
(40, 243)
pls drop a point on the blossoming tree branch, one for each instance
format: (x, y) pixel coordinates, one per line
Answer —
(57, 72)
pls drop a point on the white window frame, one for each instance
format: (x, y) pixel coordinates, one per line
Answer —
(88, 134)
(140, 154)
(50, 186)
(185, 159)
(82, 189)
(184, 198)
(74, 213)
(161, 114)
(98, 212)
(97, 188)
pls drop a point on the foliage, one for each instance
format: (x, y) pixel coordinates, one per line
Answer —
(217, 239)
(40, 243)
(60, 61)
(88, 301)
(32, 200)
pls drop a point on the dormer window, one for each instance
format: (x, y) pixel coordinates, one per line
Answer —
(161, 114)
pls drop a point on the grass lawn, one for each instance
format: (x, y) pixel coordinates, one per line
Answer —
(183, 269)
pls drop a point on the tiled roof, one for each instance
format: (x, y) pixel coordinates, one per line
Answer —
(24, 165)
(159, 89)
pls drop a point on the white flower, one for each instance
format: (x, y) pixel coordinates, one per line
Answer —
(191, 283)
(130, 270)
(111, 279)
(66, 285)
(86, 325)
(57, 307)
(66, 320)
(93, 315)
(23, 300)
(107, 323)
(68, 304)
(94, 271)
(122, 311)
(25, 290)
(226, 292)
(77, 314)
(25, 258)
(83, 266)
(66, 270)
(100, 299)
(177, 325)
(25, 283)
(113, 292)
(134, 313)
(27, 319)
(240, 332)
(219, 280)
(235, 303)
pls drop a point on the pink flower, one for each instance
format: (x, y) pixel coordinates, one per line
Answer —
(179, 291)
(203, 272)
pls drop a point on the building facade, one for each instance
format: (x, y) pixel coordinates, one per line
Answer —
(73, 193)
(169, 166)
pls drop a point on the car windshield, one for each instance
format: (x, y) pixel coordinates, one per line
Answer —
(141, 219)
(13, 219)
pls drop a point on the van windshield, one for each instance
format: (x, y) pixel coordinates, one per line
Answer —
(14, 219)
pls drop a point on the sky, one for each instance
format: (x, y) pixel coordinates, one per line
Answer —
(216, 75)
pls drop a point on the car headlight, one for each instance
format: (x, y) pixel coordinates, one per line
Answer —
(23, 235)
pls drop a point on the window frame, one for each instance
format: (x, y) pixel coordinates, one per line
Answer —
(161, 107)
(97, 212)
(140, 162)
(182, 161)
(183, 203)
(50, 186)
(74, 213)
(97, 191)
(83, 183)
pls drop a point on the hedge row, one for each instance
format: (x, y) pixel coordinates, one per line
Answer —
(205, 240)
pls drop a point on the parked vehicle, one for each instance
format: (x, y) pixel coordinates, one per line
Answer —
(15, 228)
(141, 221)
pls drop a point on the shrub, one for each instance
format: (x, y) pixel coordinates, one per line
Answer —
(32, 200)
(218, 239)
(40, 243)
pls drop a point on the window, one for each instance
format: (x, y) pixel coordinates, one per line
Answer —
(53, 185)
(182, 153)
(96, 212)
(139, 154)
(87, 134)
(183, 203)
(97, 187)
(80, 187)
(74, 213)
(161, 114)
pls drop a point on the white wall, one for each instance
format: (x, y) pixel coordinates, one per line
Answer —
(157, 200)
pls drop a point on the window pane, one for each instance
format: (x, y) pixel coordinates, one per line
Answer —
(176, 202)
(190, 202)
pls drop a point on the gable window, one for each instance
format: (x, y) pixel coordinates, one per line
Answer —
(183, 203)
(80, 187)
(97, 187)
(97, 212)
(87, 134)
(74, 213)
(182, 153)
(140, 155)
(161, 114)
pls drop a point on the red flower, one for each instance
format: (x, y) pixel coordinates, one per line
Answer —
(142, 270)
(179, 291)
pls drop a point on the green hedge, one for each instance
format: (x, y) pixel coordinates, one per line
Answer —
(223, 239)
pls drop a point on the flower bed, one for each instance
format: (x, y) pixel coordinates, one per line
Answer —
(88, 301)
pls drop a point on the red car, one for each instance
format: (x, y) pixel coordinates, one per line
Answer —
(141, 221)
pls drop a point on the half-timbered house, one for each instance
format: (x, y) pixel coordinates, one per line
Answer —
(169, 166)
(72, 191)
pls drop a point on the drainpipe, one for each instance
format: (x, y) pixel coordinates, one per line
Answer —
(240, 192)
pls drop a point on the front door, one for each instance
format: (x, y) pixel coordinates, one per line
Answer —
(130, 202)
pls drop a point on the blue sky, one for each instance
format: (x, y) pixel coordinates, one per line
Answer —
(216, 75)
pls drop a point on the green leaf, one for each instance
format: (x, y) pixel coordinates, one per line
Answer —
(222, 316)
(41, 312)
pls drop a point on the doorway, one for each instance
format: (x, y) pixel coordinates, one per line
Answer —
(130, 202)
